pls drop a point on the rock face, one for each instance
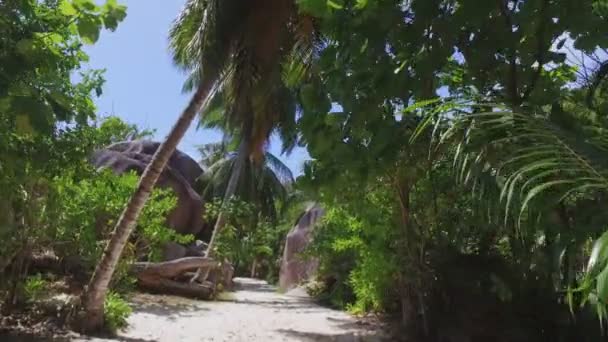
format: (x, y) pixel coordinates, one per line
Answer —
(294, 269)
(179, 175)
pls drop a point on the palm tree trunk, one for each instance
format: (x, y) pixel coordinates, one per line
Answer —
(94, 296)
(235, 175)
(230, 191)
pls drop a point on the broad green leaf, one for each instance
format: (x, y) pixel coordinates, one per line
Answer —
(67, 8)
(88, 30)
(60, 98)
(602, 286)
(599, 254)
(114, 14)
(55, 38)
(88, 5)
(361, 4)
(334, 4)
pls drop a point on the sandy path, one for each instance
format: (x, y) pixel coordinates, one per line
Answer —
(254, 313)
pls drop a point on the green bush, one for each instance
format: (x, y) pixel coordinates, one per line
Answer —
(90, 207)
(116, 312)
(356, 259)
(34, 287)
(248, 237)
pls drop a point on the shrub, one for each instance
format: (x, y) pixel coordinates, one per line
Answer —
(247, 239)
(89, 209)
(34, 287)
(116, 312)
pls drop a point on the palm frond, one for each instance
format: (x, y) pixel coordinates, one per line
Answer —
(531, 153)
(202, 38)
(211, 153)
(532, 158)
(282, 172)
(236, 39)
(265, 184)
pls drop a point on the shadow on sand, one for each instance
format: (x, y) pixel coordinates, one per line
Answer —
(304, 336)
(168, 307)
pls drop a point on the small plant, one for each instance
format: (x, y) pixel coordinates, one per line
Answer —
(116, 312)
(34, 287)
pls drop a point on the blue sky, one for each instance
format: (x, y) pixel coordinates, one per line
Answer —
(142, 85)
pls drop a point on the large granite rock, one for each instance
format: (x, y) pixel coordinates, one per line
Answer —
(179, 175)
(294, 269)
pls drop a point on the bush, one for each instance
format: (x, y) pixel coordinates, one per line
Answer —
(116, 312)
(357, 259)
(89, 208)
(247, 238)
(34, 287)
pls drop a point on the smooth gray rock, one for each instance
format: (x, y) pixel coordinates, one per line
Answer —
(180, 176)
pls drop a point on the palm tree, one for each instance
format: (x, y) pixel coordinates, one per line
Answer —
(265, 184)
(274, 49)
(215, 41)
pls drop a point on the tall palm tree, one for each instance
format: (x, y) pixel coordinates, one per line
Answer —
(276, 41)
(265, 184)
(213, 40)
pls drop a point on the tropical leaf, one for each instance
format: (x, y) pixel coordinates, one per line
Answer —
(533, 157)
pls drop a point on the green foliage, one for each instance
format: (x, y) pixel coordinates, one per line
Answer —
(362, 268)
(540, 166)
(247, 238)
(40, 51)
(90, 206)
(449, 169)
(41, 48)
(116, 312)
(252, 98)
(35, 287)
(45, 117)
(112, 129)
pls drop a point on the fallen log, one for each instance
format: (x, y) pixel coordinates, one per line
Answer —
(177, 288)
(162, 277)
(173, 268)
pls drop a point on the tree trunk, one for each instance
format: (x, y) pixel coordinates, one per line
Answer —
(94, 296)
(230, 190)
(253, 267)
(406, 290)
(235, 174)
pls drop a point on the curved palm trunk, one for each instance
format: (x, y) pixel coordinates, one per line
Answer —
(220, 223)
(230, 190)
(94, 296)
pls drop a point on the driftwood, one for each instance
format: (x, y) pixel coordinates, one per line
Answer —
(168, 277)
